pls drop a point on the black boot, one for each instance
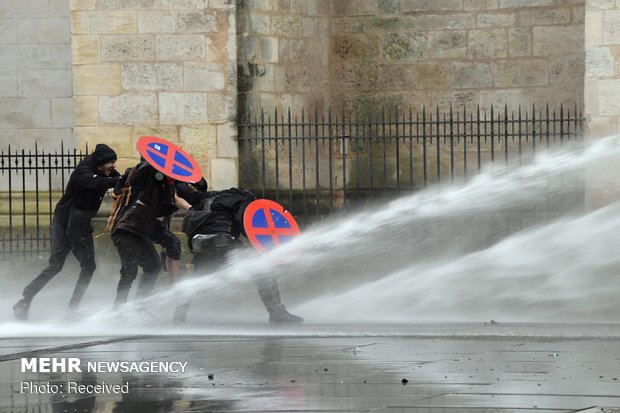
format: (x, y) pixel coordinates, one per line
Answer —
(279, 314)
(20, 309)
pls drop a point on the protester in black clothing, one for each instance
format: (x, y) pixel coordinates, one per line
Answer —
(213, 227)
(147, 195)
(71, 225)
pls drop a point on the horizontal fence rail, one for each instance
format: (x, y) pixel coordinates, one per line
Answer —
(319, 163)
(315, 164)
(32, 182)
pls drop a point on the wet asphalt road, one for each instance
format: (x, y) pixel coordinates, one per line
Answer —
(505, 372)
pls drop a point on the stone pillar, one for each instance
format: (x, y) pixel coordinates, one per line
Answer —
(158, 67)
(602, 94)
(35, 75)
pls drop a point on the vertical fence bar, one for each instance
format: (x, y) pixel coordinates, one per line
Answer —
(290, 160)
(330, 159)
(276, 150)
(344, 158)
(316, 155)
(424, 144)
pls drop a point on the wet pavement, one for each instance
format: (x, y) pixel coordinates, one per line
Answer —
(284, 372)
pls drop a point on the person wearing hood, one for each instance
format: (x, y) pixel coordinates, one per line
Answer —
(71, 225)
(214, 225)
(146, 195)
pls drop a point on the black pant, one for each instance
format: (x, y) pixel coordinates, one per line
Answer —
(135, 251)
(81, 244)
(212, 257)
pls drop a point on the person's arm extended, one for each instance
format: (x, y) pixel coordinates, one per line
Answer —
(181, 203)
(86, 179)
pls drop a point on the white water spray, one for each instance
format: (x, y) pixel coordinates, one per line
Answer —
(442, 254)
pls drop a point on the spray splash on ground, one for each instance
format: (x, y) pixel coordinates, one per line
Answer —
(463, 253)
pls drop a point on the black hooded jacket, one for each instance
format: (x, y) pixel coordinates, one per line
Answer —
(85, 189)
(214, 212)
(149, 199)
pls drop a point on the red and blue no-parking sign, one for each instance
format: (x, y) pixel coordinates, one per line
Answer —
(169, 159)
(267, 224)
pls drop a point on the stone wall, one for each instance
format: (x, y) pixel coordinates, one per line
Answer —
(368, 53)
(283, 55)
(158, 67)
(602, 93)
(414, 52)
(35, 74)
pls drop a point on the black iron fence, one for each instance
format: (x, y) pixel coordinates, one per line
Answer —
(319, 163)
(32, 182)
(315, 164)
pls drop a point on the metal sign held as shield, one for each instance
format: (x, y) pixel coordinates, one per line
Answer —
(169, 159)
(267, 224)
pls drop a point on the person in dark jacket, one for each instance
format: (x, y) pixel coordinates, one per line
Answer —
(71, 225)
(146, 196)
(214, 225)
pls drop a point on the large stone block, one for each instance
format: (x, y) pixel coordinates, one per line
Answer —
(447, 44)
(544, 17)
(292, 26)
(109, 22)
(85, 49)
(431, 75)
(94, 80)
(519, 41)
(395, 77)
(158, 22)
(118, 138)
(200, 77)
(169, 133)
(44, 83)
(448, 21)
(269, 49)
(49, 30)
(8, 83)
(85, 110)
(82, 5)
(227, 144)
(21, 8)
(522, 73)
(259, 23)
(609, 104)
(127, 48)
(197, 22)
(500, 98)
(501, 19)
(25, 113)
(224, 174)
(355, 7)
(181, 4)
(430, 5)
(25, 55)
(568, 72)
(503, 4)
(200, 142)
(59, 8)
(593, 28)
(471, 75)
(611, 27)
(488, 44)
(62, 112)
(404, 46)
(599, 62)
(221, 107)
(480, 4)
(8, 30)
(152, 77)
(180, 47)
(60, 56)
(558, 40)
(183, 108)
(128, 109)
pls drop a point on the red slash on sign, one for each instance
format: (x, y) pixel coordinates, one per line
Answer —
(169, 159)
(267, 224)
